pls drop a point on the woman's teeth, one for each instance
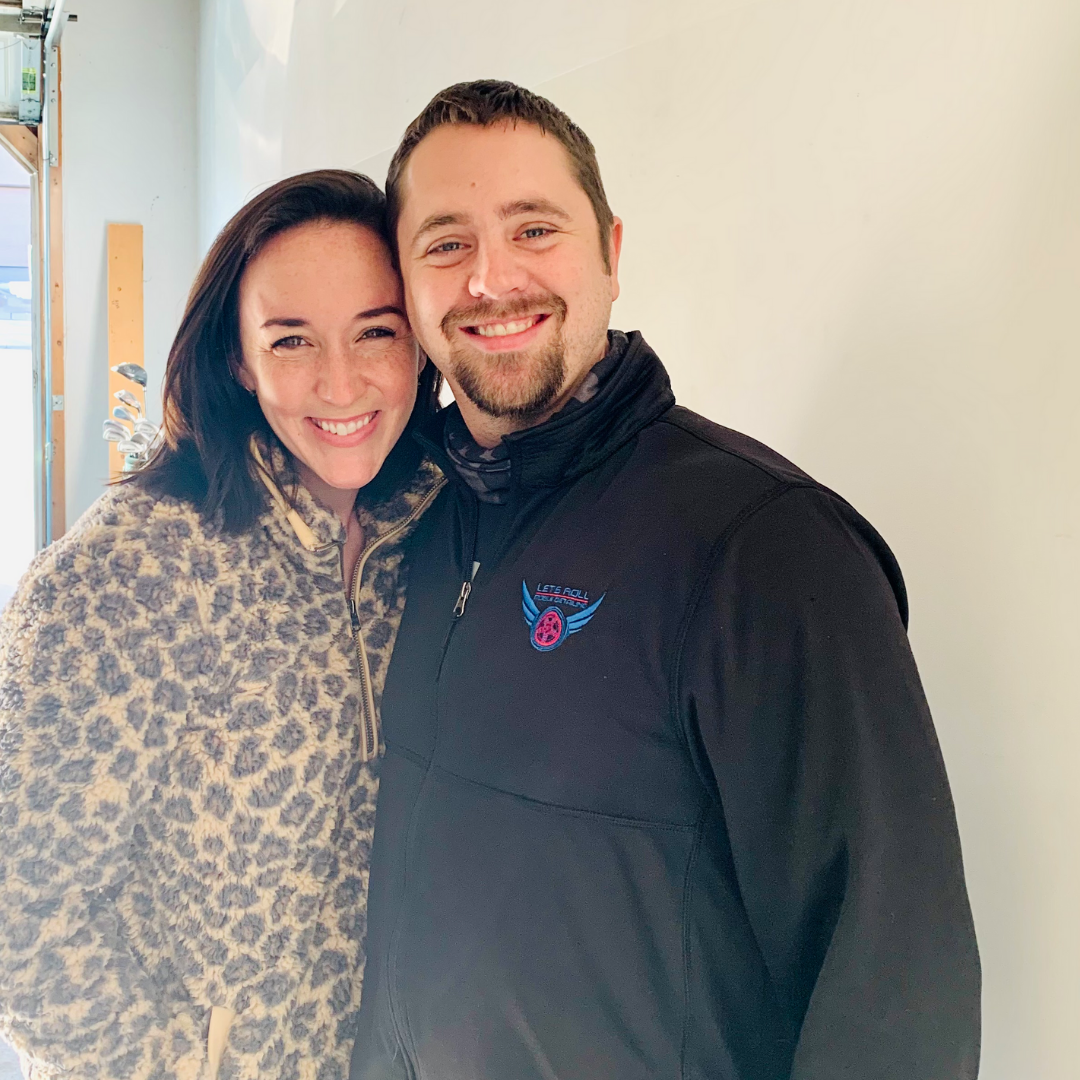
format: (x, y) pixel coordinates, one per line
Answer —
(503, 329)
(332, 427)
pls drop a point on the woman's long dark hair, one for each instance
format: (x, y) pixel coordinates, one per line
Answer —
(208, 417)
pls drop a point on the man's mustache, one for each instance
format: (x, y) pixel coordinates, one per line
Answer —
(490, 311)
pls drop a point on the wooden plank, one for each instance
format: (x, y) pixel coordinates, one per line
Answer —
(125, 297)
(21, 143)
(56, 285)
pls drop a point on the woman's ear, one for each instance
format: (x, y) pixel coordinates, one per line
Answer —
(243, 377)
(423, 361)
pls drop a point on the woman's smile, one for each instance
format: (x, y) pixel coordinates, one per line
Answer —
(347, 432)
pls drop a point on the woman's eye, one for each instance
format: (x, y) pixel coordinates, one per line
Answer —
(293, 341)
(376, 332)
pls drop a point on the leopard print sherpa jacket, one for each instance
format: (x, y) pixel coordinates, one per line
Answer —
(188, 752)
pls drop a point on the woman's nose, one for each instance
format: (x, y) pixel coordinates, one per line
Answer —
(341, 380)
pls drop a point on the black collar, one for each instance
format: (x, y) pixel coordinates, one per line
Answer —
(565, 447)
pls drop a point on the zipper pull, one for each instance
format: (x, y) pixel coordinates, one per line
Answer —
(463, 599)
(353, 614)
(466, 591)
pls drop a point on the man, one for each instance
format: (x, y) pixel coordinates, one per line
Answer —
(661, 796)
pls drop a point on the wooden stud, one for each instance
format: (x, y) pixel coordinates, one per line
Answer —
(125, 293)
(56, 285)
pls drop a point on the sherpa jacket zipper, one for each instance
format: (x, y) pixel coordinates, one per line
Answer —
(370, 744)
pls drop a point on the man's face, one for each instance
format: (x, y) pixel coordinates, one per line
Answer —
(505, 280)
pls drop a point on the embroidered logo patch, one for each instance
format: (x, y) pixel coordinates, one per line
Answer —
(550, 626)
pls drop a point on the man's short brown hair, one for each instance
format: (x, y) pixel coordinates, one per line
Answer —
(486, 102)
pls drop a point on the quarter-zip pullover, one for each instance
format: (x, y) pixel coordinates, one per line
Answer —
(188, 776)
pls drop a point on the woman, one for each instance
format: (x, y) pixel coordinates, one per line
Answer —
(190, 678)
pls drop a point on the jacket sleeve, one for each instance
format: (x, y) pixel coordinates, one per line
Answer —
(799, 688)
(72, 995)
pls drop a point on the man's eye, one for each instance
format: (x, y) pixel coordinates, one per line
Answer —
(293, 341)
(447, 247)
(533, 232)
(376, 332)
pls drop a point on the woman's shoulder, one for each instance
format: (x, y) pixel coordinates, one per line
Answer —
(126, 507)
(125, 534)
(127, 517)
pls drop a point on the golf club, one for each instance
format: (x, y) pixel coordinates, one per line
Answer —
(135, 372)
(124, 414)
(128, 398)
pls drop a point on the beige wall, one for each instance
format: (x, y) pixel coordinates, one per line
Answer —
(853, 231)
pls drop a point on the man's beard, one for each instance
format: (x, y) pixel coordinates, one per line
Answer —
(519, 386)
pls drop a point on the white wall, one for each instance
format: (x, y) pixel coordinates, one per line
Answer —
(129, 84)
(853, 231)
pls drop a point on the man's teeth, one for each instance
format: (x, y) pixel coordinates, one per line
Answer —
(502, 329)
(334, 428)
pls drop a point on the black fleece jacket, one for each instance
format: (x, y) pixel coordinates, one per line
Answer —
(662, 797)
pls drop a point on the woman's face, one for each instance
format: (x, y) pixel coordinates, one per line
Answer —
(327, 348)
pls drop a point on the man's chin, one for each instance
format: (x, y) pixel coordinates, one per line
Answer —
(511, 386)
(522, 413)
(510, 402)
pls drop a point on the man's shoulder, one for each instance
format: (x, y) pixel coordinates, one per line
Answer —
(709, 445)
(732, 485)
(712, 473)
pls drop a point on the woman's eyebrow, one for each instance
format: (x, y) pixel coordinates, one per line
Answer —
(371, 313)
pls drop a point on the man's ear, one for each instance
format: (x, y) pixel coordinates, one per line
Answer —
(614, 251)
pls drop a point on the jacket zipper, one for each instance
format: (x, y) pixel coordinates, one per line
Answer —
(369, 744)
(466, 586)
(466, 592)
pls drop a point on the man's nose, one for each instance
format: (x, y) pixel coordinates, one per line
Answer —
(497, 272)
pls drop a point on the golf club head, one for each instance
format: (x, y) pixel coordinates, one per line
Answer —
(128, 398)
(124, 414)
(135, 372)
(129, 447)
(148, 426)
(141, 438)
(112, 435)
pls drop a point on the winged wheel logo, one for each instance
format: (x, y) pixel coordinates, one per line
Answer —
(550, 626)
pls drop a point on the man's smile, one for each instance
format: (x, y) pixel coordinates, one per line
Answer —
(506, 334)
(506, 329)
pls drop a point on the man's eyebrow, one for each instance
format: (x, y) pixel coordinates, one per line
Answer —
(507, 210)
(532, 206)
(437, 221)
